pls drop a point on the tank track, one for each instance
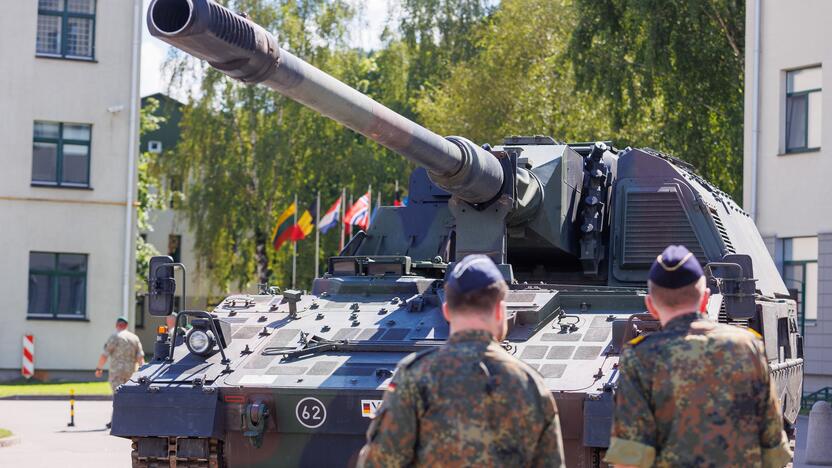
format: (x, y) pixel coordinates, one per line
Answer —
(214, 460)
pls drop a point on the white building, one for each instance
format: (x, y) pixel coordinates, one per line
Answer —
(788, 158)
(69, 122)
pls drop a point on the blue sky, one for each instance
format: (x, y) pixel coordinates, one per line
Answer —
(154, 51)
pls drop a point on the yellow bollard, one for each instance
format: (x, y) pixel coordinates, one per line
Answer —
(71, 408)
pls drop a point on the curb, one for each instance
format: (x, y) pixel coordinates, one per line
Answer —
(58, 397)
(9, 441)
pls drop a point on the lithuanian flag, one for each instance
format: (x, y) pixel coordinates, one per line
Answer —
(284, 228)
(305, 225)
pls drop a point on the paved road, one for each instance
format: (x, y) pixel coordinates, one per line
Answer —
(800, 446)
(46, 441)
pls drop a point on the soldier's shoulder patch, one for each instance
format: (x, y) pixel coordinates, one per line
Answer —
(414, 357)
(637, 340)
(736, 330)
(755, 333)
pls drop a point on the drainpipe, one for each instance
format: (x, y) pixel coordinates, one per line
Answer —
(132, 148)
(755, 99)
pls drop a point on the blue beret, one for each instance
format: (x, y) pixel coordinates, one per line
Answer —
(676, 267)
(473, 273)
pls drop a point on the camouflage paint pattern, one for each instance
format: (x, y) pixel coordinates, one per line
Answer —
(469, 403)
(697, 393)
(124, 350)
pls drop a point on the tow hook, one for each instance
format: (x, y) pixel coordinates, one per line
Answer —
(255, 418)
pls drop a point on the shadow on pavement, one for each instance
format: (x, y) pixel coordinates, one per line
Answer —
(70, 431)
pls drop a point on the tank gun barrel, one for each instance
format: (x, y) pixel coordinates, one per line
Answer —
(244, 50)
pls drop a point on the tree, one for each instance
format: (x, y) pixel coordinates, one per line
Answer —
(678, 62)
(245, 151)
(438, 34)
(149, 195)
(520, 83)
(639, 72)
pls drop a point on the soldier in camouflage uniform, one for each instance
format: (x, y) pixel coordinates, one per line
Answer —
(696, 393)
(468, 403)
(125, 352)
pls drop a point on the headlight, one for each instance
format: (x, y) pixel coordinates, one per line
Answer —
(199, 341)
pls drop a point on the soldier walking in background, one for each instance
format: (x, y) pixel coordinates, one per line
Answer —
(696, 393)
(125, 352)
(469, 402)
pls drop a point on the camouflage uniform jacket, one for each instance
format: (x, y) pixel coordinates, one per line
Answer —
(468, 403)
(697, 393)
(124, 350)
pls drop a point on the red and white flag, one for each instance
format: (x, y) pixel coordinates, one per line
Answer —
(330, 219)
(358, 213)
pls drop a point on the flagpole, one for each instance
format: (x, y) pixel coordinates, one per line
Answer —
(317, 232)
(295, 246)
(369, 204)
(347, 224)
(341, 210)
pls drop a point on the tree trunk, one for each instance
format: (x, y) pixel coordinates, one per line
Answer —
(262, 258)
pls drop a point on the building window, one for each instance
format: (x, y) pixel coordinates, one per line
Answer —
(175, 247)
(175, 189)
(154, 146)
(57, 285)
(803, 110)
(61, 154)
(66, 28)
(140, 306)
(800, 273)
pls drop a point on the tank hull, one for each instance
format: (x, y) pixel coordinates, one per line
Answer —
(320, 404)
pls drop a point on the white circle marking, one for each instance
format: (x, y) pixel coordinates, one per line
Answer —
(311, 414)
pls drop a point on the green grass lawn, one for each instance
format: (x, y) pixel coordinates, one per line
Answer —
(5, 433)
(40, 388)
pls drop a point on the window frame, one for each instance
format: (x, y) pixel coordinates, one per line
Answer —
(175, 190)
(65, 15)
(807, 93)
(176, 254)
(801, 306)
(54, 274)
(59, 157)
(150, 145)
(141, 305)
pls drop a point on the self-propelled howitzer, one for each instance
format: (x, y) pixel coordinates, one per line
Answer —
(287, 379)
